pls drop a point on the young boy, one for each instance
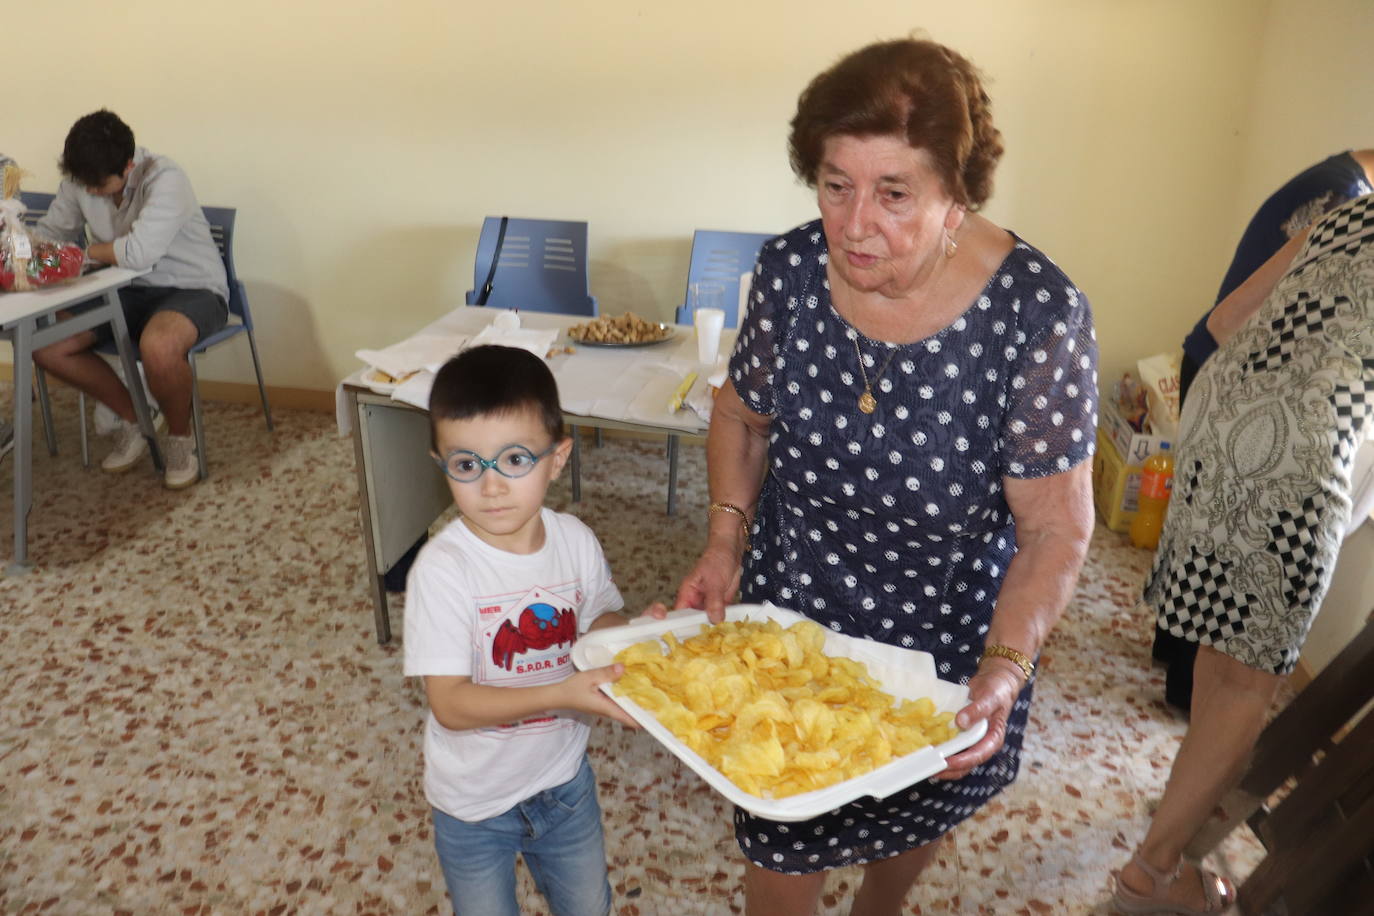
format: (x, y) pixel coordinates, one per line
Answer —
(493, 606)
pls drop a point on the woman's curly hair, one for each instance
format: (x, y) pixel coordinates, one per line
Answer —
(911, 88)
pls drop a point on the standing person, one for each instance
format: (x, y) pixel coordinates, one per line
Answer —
(1262, 488)
(901, 449)
(493, 606)
(141, 213)
(1283, 217)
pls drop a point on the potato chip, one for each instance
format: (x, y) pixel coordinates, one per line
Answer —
(768, 709)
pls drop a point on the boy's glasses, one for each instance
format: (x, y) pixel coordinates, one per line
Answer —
(512, 461)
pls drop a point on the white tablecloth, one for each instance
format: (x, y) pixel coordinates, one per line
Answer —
(630, 384)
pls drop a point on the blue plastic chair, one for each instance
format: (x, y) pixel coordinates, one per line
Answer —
(717, 257)
(720, 257)
(541, 266)
(36, 203)
(221, 220)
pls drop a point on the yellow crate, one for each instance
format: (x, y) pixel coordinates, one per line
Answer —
(1116, 484)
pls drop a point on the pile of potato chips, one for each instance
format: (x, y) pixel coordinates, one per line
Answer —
(770, 711)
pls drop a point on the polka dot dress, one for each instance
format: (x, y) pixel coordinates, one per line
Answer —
(893, 525)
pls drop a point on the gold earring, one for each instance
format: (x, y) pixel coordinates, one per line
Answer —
(951, 246)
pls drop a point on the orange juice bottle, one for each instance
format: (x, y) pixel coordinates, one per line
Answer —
(1156, 483)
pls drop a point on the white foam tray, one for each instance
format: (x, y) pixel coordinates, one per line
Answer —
(904, 673)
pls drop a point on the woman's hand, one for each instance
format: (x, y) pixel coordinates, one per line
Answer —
(581, 693)
(712, 583)
(991, 693)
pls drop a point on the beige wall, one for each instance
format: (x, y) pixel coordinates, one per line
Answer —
(1310, 97)
(363, 142)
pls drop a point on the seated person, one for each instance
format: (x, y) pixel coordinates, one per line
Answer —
(141, 213)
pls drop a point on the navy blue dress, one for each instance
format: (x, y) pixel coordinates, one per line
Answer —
(894, 525)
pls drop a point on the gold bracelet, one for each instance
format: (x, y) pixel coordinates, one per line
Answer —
(733, 510)
(1016, 657)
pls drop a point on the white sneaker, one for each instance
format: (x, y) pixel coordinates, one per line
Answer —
(129, 445)
(182, 468)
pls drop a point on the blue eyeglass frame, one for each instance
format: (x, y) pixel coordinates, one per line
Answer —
(490, 463)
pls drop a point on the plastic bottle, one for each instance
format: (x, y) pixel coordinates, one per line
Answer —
(1156, 483)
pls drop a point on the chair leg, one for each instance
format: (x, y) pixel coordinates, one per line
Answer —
(576, 464)
(196, 419)
(45, 408)
(85, 439)
(262, 389)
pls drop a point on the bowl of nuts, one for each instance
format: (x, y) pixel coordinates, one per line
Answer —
(628, 330)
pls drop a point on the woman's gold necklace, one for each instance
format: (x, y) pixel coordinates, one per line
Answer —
(867, 402)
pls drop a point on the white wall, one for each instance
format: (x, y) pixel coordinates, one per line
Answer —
(364, 141)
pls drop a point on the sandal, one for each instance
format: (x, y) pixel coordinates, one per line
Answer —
(1220, 893)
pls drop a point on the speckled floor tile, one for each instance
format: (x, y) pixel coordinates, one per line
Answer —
(198, 719)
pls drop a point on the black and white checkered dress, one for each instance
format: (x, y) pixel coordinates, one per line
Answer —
(1267, 440)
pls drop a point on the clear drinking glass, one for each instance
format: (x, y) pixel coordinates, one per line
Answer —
(708, 317)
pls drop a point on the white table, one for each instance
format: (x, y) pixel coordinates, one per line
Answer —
(400, 490)
(30, 321)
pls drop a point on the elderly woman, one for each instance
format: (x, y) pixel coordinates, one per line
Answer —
(1262, 488)
(900, 452)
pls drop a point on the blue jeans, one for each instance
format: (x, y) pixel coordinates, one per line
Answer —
(558, 832)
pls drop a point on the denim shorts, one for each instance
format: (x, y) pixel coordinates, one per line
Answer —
(557, 831)
(203, 308)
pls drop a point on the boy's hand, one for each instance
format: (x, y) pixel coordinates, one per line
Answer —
(656, 611)
(582, 693)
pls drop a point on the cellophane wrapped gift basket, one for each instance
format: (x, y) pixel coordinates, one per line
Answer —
(29, 261)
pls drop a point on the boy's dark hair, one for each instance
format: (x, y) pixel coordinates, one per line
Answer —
(495, 380)
(98, 145)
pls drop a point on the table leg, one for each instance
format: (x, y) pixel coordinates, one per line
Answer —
(23, 444)
(133, 381)
(45, 403)
(376, 587)
(672, 474)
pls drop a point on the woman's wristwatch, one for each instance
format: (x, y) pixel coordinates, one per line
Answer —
(1015, 656)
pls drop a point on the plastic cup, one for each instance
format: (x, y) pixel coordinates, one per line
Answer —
(710, 322)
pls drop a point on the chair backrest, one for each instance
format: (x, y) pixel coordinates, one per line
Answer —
(541, 267)
(721, 257)
(36, 204)
(221, 220)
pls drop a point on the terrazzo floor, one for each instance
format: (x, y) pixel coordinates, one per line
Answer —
(197, 717)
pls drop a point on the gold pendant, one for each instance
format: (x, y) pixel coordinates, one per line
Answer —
(867, 403)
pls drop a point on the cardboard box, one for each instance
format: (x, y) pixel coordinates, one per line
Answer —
(1131, 446)
(1116, 485)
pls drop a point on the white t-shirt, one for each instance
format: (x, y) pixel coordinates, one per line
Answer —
(504, 620)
